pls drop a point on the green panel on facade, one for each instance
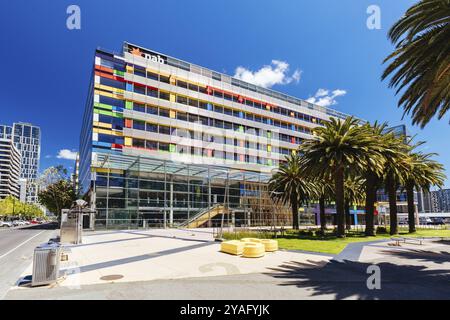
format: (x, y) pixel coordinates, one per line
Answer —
(129, 105)
(103, 106)
(172, 148)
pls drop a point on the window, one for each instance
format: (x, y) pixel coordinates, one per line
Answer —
(249, 116)
(152, 110)
(182, 84)
(218, 109)
(112, 83)
(164, 95)
(152, 145)
(193, 87)
(164, 130)
(227, 96)
(202, 90)
(193, 117)
(111, 102)
(152, 92)
(163, 146)
(218, 94)
(139, 107)
(249, 103)
(164, 79)
(152, 76)
(152, 127)
(182, 116)
(138, 125)
(203, 105)
(138, 143)
(228, 112)
(139, 71)
(193, 102)
(181, 99)
(164, 112)
(139, 89)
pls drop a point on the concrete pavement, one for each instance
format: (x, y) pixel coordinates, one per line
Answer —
(16, 251)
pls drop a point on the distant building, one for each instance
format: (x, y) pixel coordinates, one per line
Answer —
(10, 160)
(27, 139)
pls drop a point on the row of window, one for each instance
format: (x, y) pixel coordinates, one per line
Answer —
(207, 137)
(140, 71)
(118, 123)
(203, 152)
(155, 93)
(212, 122)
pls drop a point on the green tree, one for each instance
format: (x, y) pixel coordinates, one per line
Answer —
(290, 185)
(420, 64)
(57, 196)
(341, 146)
(422, 173)
(354, 195)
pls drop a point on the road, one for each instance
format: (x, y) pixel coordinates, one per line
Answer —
(16, 251)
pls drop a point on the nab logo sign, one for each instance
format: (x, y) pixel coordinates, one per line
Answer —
(152, 57)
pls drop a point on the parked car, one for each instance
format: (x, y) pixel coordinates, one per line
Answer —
(6, 224)
(436, 221)
(17, 223)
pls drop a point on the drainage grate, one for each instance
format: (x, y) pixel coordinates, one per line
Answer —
(112, 277)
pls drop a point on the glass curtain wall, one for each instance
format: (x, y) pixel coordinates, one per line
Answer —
(139, 192)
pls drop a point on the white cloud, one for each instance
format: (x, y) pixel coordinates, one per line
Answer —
(324, 98)
(268, 75)
(67, 154)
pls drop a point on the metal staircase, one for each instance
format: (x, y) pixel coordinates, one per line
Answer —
(203, 216)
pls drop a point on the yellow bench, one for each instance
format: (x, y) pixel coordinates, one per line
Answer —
(253, 250)
(270, 245)
(234, 247)
(256, 240)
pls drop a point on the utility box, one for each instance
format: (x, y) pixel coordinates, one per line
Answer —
(46, 261)
(71, 226)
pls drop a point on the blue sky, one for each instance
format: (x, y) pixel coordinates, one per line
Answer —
(46, 67)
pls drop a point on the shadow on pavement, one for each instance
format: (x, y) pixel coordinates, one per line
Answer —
(422, 255)
(348, 279)
(44, 226)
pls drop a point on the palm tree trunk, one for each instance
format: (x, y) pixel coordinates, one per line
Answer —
(323, 221)
(340, 210)
(294, 215)
(392, 194)
(411, 208)
(370, 204)
(348, 217)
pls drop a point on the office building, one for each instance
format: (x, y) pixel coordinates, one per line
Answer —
(165, 141)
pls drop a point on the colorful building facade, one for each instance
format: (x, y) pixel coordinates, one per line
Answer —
(165, 140)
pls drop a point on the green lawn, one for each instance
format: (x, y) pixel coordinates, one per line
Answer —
(294, 240)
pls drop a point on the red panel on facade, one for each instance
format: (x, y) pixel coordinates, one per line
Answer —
(128, 123)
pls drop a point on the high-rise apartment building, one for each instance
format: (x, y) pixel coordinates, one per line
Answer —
(165, 140)
(10, 160)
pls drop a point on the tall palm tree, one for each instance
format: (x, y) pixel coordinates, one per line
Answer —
(422, 173)
(291, 186)
(420, 64)
(375, 171)
(395, 168)
(340, 146)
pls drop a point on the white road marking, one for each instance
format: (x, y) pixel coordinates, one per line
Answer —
(12, 250)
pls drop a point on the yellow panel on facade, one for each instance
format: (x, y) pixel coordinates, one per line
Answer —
(128, 141)
(103, 125)
(173, 80)
(173, 114)
(269, 148)
(130, 69)
(172, 97)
